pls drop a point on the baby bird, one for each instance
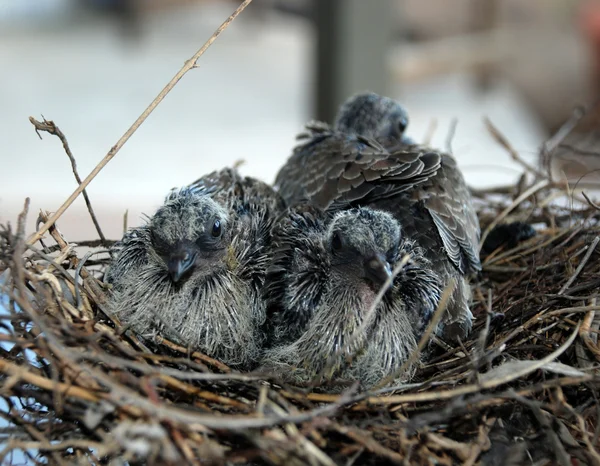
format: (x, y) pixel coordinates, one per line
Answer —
(326, 273)
(375, 116)
(195, 271)
(366, 160)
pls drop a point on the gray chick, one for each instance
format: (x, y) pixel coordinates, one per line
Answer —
(366, 160)
(326, 272)
(194, 273)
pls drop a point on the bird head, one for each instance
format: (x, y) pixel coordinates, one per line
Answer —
(189, 233)
(363, 244)
(373, 116)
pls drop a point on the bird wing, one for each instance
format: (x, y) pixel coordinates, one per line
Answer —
(336, 168)
(228, 181)
(216, 181)
(448, 201)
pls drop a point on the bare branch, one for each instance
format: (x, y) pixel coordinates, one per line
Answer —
(188, 65)
(50, 127)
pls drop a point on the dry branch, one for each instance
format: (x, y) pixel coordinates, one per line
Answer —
(51, 128)
(188, 65)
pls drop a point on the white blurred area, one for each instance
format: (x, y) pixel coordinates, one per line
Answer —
(247, 100)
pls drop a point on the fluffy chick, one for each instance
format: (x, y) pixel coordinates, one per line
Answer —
(371, 115)
(195, 271)
(366, 160)
(326, 273)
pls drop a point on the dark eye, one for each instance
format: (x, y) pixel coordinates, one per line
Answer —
(216, 229)
(402, 124)
(336, 241)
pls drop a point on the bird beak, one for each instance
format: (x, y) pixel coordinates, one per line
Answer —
(377, 269)
(179, 263)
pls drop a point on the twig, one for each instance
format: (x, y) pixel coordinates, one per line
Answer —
(558, 137)
(565, 129)
(484, 333)
(188, 65)
(437, 316)
(94, 243)
(51, 128)
(78, 270)
(369, 443)
(486, 383)
(125, 218)
(560, 453)
(578, 151)
(590, 202)
(584, 261)
(127, 398)
(195, 354)
(430, 132)
(451, 133)
(359, 332)
(153, 370)
(503, 141)
(531, 191)
(586, 329)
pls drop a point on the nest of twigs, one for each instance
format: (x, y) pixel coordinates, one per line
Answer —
(79, 388)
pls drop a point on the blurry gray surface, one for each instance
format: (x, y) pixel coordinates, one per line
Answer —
(247, 100)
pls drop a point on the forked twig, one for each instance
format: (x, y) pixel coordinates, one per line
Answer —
(51, 128)
(503, 141)
(557, 138)
(188, 65)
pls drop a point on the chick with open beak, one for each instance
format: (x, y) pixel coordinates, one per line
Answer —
(194, 273)
(322, 285)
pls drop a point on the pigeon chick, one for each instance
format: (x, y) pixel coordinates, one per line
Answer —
(366, 160)
(326, 273)
(370, 114)
(195, 271)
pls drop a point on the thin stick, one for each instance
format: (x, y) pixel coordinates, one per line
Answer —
(534, 189)
(437, 316)
(430, 132)
(565, 129)
(486, 382)
(579, 268)
(367, 319)
(125, 219)
(451, 133)
(560, 135)
(65, 389)
(188, 65)
(590, 202)
(51, 128)
(503, 141)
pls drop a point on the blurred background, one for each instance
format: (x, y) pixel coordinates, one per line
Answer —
(92, 66)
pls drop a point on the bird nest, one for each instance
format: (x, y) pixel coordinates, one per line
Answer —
(79, 387)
